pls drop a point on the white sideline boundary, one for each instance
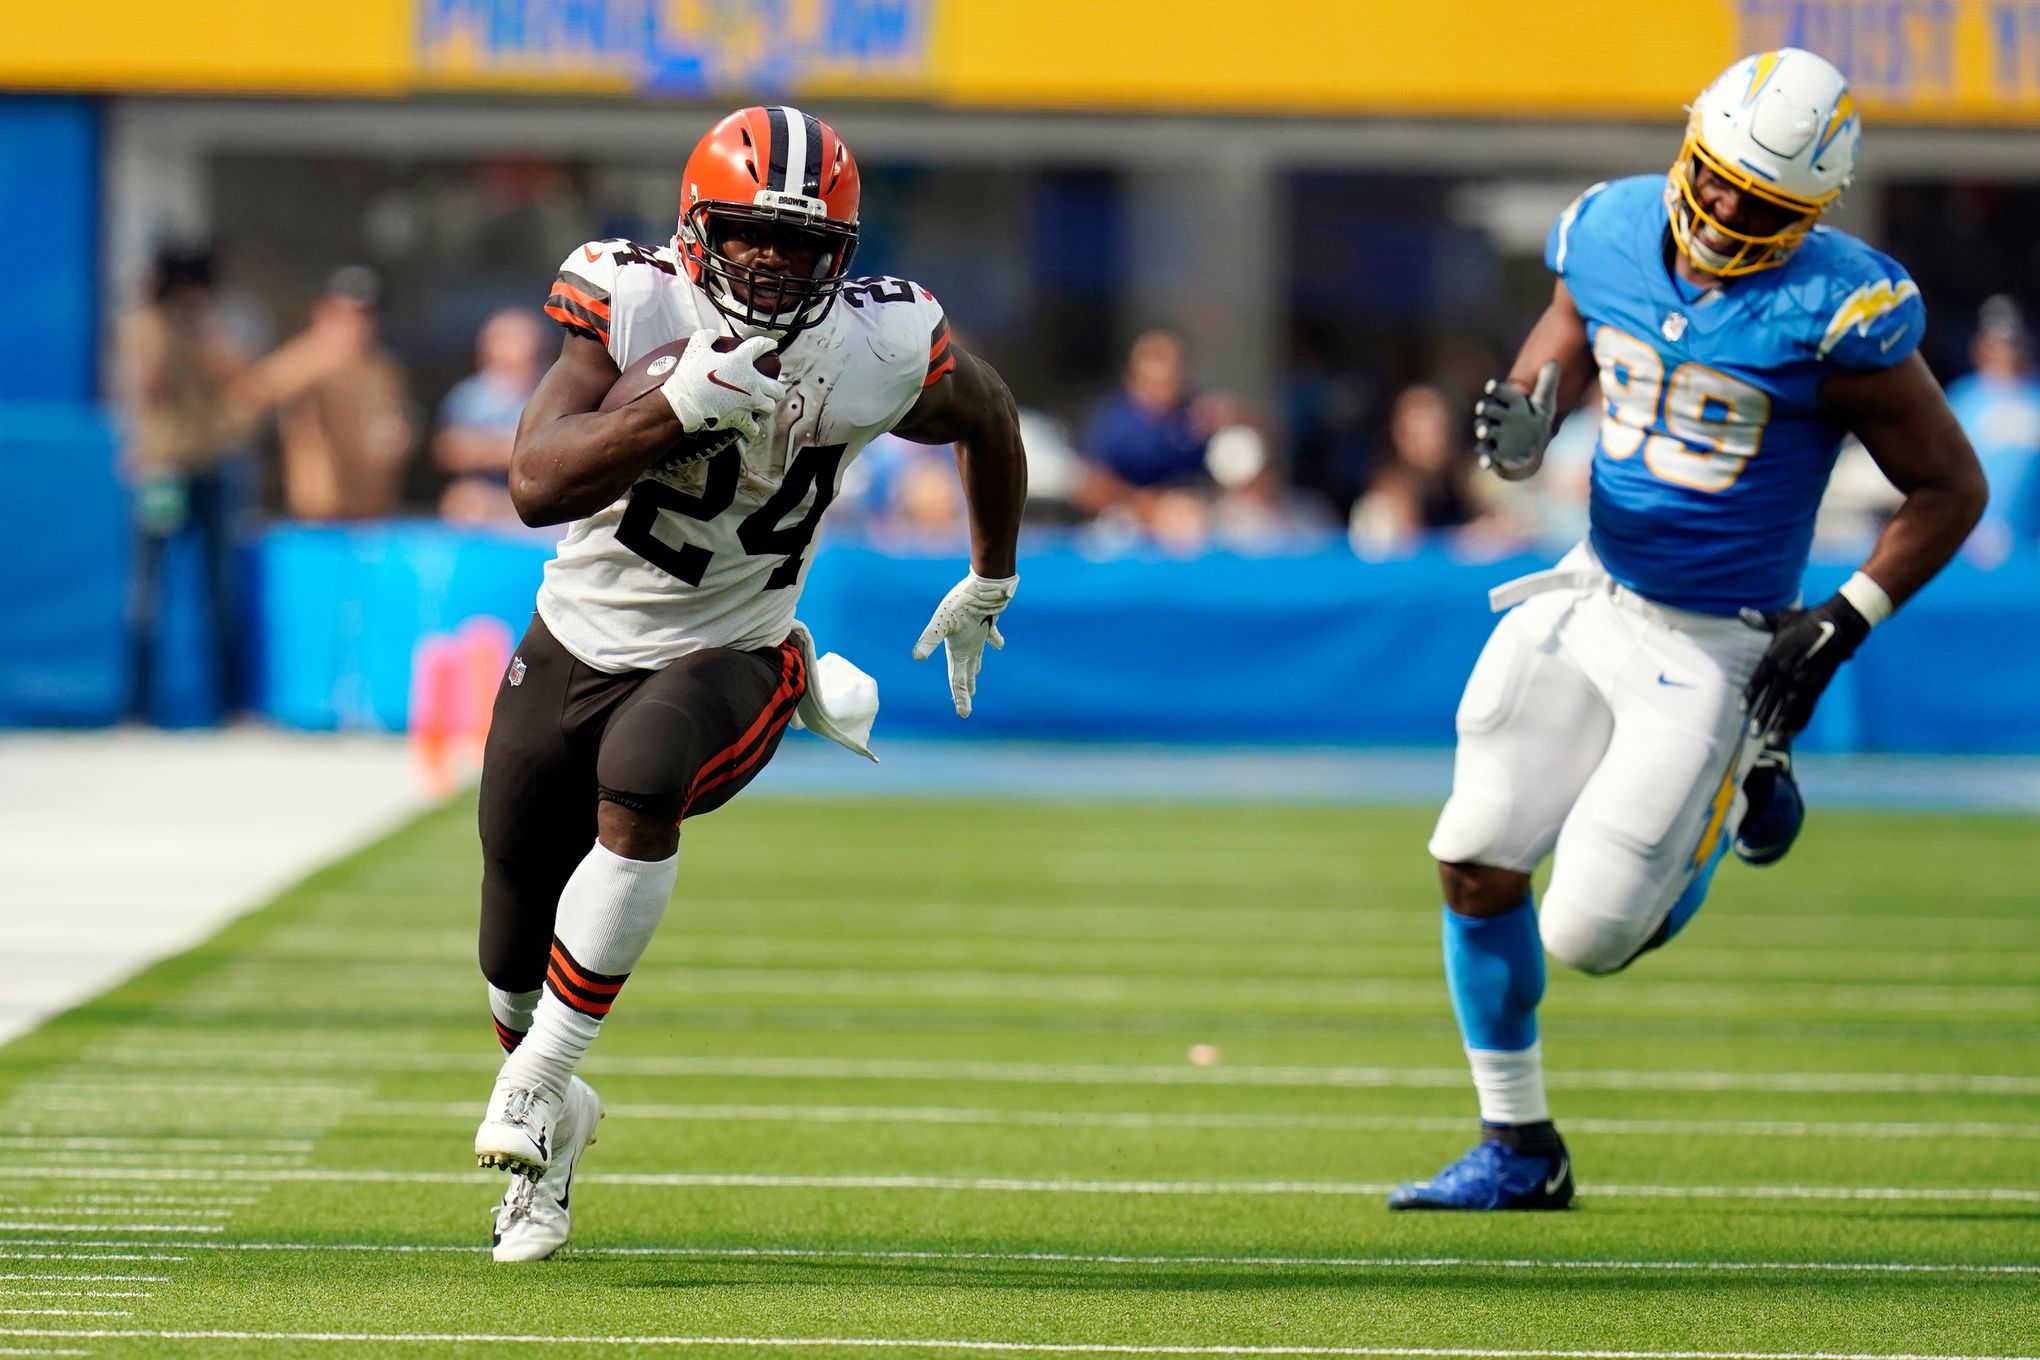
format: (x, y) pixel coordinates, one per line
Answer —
(912, 1257)
(712, 1180)
(935, 1344)
(208, 839)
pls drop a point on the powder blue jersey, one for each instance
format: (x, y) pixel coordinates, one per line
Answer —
(1714, 449)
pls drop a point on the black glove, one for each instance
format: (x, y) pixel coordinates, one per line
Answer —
(1807, 647)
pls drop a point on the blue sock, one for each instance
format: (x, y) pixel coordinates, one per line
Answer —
(1495, 969)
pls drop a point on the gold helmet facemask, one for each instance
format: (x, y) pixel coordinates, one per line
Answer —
(1688, 216)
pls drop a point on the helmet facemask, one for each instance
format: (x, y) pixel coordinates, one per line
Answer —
(1750, 252)
(796, 302)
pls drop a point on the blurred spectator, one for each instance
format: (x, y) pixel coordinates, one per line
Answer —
(1999, 407)
(1325, 411)
(1146, 436)
(1055, 470)
(342, 411)
(1550, 509)
(904, 494)
(183, 458)
(1258, 511)
(478, 419)
(1424, 485)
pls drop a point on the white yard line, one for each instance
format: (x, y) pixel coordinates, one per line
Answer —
(66, 1312)
(98, 1211)
(1001, 1184)
(1143, 1119)
(1026, 1347)
(14, 1141)
(16, 1226)
(1122, 1259)
(212, 840)
(87, 1256)
(1116, 1074)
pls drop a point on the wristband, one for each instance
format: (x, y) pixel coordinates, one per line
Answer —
(1870, 599)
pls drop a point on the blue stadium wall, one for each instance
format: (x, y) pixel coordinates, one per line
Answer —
(61, 637)
(1320, 649)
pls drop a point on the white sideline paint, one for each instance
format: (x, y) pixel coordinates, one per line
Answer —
(210, 825)
(1143, 1119)
(1111, 1259)
(933, 1344)
(1112, 1074)
(995, 1184)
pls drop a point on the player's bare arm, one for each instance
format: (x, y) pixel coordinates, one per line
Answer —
(970, 407)
(570, 460)
(1514, 417)
(1904, 422)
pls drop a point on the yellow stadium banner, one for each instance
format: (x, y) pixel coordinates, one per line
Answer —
(1928, 61)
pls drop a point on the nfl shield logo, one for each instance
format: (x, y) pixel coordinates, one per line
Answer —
(1674, 327)
(516, 670)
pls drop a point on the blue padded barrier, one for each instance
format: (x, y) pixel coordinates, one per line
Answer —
(1319, 649)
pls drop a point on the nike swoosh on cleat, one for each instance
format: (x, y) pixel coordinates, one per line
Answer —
(1664, 679)
(1557, 1178)
(720, 383)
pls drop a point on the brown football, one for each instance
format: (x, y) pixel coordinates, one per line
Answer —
(651, 369)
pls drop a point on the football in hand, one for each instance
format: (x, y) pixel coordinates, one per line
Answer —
(643, 378)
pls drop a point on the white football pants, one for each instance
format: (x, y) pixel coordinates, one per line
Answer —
(1608, 726)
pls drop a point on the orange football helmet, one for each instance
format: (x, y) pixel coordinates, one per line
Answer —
(770, 165)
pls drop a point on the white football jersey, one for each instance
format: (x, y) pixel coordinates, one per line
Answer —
(714, 554)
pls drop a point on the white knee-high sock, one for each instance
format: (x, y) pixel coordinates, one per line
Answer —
(607, 915)
(1511, 1085)
(512, 1011)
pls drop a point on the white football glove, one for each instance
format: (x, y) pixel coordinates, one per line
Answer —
(964, 622)
(1511, 426)
(713, 389)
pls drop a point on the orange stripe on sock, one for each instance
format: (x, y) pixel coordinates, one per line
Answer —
(565, 992)
(572, 972)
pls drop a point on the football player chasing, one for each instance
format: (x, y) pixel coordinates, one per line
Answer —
(664, 661)
(1634, 707)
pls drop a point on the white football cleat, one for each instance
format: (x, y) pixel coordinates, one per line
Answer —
(531, 1222)
(517, 1132)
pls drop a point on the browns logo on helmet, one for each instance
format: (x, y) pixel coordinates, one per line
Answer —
(778, 185)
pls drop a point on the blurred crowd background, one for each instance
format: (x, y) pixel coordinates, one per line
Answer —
(1245, 297)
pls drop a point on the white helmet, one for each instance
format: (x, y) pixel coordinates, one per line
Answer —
(1781, 127)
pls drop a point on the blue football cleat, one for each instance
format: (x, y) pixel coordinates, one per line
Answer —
(1775, 811)
(1493, 1175)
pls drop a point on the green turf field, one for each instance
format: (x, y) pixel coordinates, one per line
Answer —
(912, 1077)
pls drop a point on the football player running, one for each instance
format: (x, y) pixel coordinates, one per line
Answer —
(1633, 707)
(664, 661)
